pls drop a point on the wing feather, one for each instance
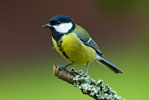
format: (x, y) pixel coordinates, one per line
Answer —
(83, 35)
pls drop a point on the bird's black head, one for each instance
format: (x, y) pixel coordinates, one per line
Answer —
(61, 24)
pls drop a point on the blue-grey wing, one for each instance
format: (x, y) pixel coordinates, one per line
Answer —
(83, 35)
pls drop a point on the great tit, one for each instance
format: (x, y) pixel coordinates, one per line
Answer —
(75, 44)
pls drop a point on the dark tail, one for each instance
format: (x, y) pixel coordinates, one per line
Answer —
(107, 63)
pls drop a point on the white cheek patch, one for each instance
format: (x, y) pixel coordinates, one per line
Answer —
(63, 28)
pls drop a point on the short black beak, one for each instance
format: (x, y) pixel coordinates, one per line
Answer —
(47, 25)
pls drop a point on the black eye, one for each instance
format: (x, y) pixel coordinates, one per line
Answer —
(54, 22)
(57, 23)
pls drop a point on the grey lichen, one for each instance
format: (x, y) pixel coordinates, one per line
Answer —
(97, 90)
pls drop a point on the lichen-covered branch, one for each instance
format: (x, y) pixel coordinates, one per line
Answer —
(88, 86)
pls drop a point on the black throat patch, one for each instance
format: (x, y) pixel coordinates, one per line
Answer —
(57, 36)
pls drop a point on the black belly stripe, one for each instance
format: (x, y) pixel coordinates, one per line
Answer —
(60, 48)
(65, 54)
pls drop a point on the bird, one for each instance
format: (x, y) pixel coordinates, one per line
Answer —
(74, 43)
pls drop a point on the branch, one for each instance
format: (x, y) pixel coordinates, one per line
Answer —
(88, 86)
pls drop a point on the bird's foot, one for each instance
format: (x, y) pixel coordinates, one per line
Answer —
(85, 74)
(63, 67)
(60, 67)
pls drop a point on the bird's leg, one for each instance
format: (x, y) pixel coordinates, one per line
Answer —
(62, 67)
(68, 65)
(86, 73)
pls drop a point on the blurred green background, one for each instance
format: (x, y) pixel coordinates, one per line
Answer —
(120, 28)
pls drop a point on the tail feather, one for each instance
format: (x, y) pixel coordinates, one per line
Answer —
(110, 65)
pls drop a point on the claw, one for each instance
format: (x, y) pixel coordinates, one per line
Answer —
(59, 67)
(85, 74)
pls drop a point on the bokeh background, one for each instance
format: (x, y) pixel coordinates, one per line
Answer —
(120, 28)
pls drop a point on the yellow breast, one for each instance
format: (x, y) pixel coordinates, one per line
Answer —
(76, 51)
